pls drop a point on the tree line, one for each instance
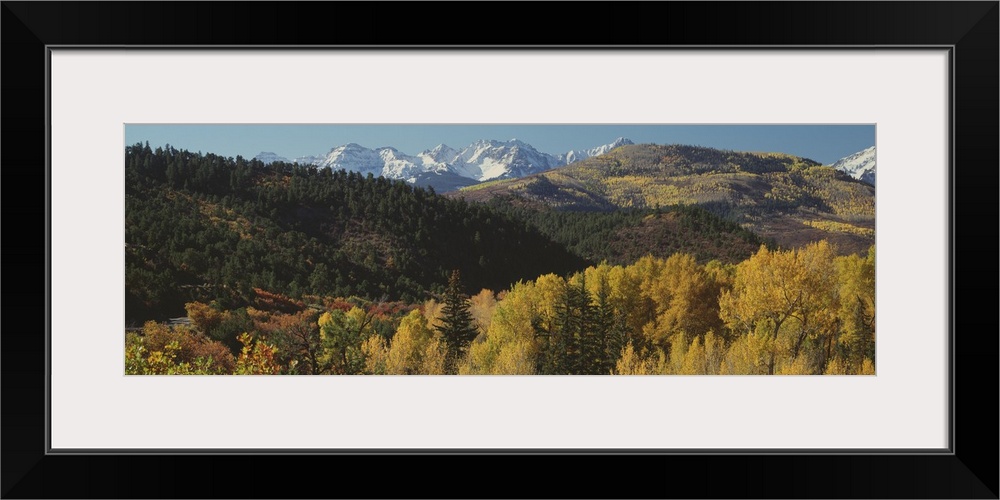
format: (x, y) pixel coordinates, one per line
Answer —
(798, 311)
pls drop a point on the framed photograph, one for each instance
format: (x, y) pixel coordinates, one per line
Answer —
(152, 145)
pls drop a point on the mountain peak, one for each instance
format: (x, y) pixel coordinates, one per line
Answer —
(860, 165)
(268, 157)
(575, 156)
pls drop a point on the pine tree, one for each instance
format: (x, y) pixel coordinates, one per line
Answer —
(456, 324)
(562, 341)
(607, 327)
(571, 345)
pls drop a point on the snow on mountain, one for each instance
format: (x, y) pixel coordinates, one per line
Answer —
(268, 157)
(396, 165)
(440, 155)
(575, 156)
(860, 165)
(480, 161)
(487, 160)
(308, 160)
(354, 158)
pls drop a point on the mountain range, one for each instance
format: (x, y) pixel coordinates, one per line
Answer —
(444, 167)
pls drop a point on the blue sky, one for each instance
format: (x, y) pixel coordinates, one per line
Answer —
(823, 143)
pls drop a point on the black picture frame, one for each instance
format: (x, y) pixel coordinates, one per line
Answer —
(969, 470)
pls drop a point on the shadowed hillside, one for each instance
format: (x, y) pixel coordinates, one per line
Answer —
(205, 227)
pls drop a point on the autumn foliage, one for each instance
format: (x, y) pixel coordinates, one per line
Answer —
(803, 311)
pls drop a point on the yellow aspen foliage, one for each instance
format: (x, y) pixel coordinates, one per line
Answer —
(433, 311)
(653, 334)
(694, 359)
(648, 269)
(678, 350)
(792, 312)
(515, 357)
(513, 317)
(721, 274)
(836, 366)
(856, 276)
(867, 367)
(632, 362)
(596, 277)
(715, 351)
(686, 296)
(841, 366)
(482, 357)
(801, 365)
(748, 355)
(435, 354)
(627, 295)
(788, 296)
(406, 348)
(481, 306)
(376, 352)
(409, 345)
(509, 345)
(546, 293)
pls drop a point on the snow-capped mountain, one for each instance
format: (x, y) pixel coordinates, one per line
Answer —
(354, 158)
(308, 160)
(575, 156)
(480, 161)
(440, 153)
(488, 160)
(268, 157)
(860, 165)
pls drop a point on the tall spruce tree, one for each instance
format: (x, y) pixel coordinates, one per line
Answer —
(456, 325)
(570, 346)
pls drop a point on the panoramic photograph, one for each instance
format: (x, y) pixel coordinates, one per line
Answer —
(425, 249)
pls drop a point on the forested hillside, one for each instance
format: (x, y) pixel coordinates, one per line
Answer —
(204, 227)
(288, 269)
(623, 236)
(790, 200)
